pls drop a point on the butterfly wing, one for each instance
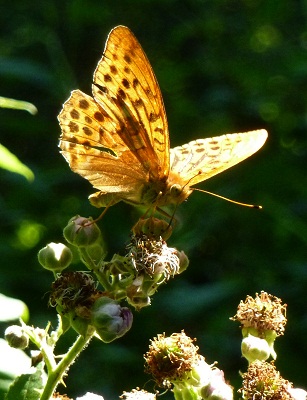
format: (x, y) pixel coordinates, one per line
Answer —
(203, 158)
(126, 88)
(93, 149)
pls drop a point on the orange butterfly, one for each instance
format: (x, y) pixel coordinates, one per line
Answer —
(119, 141)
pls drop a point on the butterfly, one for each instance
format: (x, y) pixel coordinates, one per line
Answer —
(119, 141)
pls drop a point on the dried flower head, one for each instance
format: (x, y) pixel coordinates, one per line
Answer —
(72, 290)
(170, 358)
(153, 257)
(264, 313)
(263, 382)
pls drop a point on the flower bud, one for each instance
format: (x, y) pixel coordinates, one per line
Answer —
(153, 228)
(297, 394)
(183, 261)
(55, 257)
(16, 337)
(81, 231)
(110, 319)
(217, 389)
(254, 348)
(81, 325)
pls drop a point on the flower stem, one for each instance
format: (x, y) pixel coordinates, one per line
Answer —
(56, 375)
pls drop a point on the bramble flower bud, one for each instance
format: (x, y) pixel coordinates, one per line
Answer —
(254, 348)
(183, 261)
(16, 337)
(153, 228)
(136, 296)
(217, 389)
(55, 257)
(81, 231)
(297, 394)
(81, 325)
(110, 319)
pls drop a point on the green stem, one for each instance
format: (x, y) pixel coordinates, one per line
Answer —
(93, 267)
(56, 375)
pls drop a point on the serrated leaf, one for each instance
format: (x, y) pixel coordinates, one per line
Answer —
(28, 386)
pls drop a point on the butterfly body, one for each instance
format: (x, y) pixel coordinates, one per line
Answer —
(118, 139)
(150, 194)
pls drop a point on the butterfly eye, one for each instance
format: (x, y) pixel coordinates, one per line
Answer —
(175, 190)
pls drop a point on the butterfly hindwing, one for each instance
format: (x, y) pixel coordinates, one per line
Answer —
(92, 148)
(203, 158)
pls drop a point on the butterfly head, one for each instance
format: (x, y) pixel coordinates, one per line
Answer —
(162, 193)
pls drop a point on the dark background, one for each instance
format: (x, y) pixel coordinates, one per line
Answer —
(223, 66)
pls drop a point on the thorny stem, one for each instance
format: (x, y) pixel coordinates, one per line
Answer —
(55, 376)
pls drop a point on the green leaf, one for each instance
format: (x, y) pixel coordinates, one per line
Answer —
(28, 386)
(12, 309)
(13, 362)
(17, 105)
(11, 163)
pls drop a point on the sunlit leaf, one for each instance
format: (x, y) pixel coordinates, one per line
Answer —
(11, 163)
(28, 386)
(13, 362)
(12, 309)
(18, 105)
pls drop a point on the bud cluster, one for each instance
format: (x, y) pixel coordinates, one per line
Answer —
(134, 277)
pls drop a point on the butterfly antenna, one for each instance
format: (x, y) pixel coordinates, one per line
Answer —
(230, 201)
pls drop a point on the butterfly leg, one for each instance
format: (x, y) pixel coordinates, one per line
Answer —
(102, 214)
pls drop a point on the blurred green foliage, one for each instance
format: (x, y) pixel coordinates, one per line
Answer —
(223, 66)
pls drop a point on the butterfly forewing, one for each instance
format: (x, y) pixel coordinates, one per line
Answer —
(126, 87)
(203, 158)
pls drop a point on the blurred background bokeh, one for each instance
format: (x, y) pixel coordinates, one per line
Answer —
(223, 66)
